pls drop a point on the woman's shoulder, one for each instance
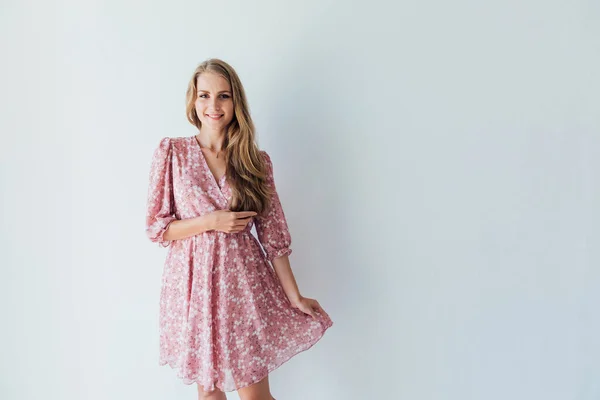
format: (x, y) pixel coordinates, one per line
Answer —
(177, 142)
(175, 139)
(265, 155)
(174, 143)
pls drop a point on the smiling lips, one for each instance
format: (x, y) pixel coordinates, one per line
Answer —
(214, 116)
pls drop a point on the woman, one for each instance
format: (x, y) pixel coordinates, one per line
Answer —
(227, 318)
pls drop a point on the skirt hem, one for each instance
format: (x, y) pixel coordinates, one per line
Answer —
(196, 379)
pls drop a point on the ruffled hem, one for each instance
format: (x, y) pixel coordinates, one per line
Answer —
(197, 379)
(156, 233)
(278, 253)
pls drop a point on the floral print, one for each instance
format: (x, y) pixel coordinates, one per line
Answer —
(224, 319)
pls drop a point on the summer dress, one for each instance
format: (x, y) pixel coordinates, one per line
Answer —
(225, 321)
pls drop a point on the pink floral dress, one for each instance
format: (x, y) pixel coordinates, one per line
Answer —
(225, 320)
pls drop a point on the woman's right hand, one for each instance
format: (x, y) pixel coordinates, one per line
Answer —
(230, 221)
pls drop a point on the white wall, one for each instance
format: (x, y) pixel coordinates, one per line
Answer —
(437, 161)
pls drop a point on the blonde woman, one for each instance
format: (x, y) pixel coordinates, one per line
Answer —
(227, 318)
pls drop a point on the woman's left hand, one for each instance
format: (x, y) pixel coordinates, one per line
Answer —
(310, 307)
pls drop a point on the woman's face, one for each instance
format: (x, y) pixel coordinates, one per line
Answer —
(214, 101)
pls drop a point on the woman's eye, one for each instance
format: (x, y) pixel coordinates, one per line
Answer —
(224, 96)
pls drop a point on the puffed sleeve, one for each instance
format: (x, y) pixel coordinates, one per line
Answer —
(272, 228)
(160, 205)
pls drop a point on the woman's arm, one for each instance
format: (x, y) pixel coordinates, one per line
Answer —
(220, 220)
(286, 276)
(183, 228)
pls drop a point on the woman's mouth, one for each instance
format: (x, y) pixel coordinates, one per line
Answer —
(214, 116)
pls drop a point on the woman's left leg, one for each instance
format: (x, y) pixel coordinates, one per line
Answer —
(257, 391)
(214, 395)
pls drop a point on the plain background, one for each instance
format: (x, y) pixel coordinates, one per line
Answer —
(437, 162)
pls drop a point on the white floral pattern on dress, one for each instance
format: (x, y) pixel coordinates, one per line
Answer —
(224, 319)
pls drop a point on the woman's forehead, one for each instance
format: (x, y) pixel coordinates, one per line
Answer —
(208, 82)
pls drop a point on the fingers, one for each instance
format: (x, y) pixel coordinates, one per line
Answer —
(316, 312)
(313, 307)
(240, 224)
(307, 307)
(240, 220)
(320, 309)
(313, 313)
(323, 312)
(244, 214)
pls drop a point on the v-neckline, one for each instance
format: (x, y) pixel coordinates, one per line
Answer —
(215, 181)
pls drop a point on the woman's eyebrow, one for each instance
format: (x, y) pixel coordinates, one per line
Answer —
(206, 91)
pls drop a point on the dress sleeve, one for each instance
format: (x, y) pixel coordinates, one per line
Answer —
(160, 205)
(272, 228)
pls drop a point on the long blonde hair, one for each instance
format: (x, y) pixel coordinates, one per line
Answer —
(246, 168)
